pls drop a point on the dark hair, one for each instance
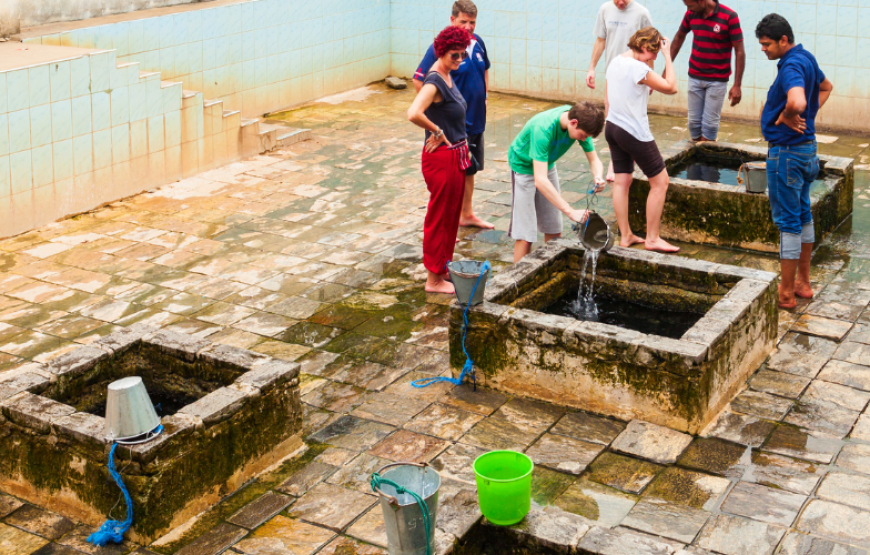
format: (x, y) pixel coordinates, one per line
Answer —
(590, 118)
(774, 26)
(464, 6)
(451, 38)
(648, 38)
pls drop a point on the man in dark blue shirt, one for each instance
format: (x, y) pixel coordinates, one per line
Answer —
(472, 78)
(788, 123)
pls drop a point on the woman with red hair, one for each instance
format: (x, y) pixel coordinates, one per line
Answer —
(440, 110)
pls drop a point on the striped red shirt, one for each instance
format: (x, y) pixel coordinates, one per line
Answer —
(713, 38)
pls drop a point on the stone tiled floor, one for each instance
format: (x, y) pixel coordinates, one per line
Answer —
(312, 254)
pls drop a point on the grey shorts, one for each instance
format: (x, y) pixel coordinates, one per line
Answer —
(531, 212)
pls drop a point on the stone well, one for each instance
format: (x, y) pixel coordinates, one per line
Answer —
(681, 383)
(726, 215)
(245, 417)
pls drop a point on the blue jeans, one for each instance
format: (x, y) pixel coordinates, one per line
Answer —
(706, 99)
(791, 171)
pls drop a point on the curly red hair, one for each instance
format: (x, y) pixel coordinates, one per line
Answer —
(451, 38)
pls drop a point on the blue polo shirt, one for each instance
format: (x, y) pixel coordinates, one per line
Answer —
(470, 78)
(798, 68)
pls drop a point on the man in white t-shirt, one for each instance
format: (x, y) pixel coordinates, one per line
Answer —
(617, 21)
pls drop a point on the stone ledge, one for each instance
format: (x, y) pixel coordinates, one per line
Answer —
(217, 406)
(120, 341)
(34, 411)
(270, 373)
(234, 357)
(176, 344)
(82, 427)
(77, 362)
(32, 380)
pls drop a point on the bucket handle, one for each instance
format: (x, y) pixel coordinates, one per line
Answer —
(392, 500)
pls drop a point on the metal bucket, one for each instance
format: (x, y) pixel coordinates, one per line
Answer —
(595, 233)
(406, 532)
(129, 411)
(754, 176)
(464, 274)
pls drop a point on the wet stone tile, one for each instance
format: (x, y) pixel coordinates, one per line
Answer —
(285, 536)
(331, 506)
(480, 401)
(685, 487)
(714, 456)
(623, 473)
(335, 456)
(784, 473)
(215, 541)
(836, 522)
(350, 432)
(443, 422)
(336, 397)
(822, 416)
(650, 441)
(369, 375)
(827, 328)
(835, 310)
(310, 334)
(763, 503)
(676, 522)
(601, 505)
(856, 353)
(391, 409)
(846, 373)
(456, 463)
(861, 431)
(8, 504)
(734, 535)
(563, 453)
(259, 511)
(547, 485)
(306, 478)
(349, 546)
(17, 542)
(848, 489)
(530, 415)
(35, 520)
(742, 429)
(799, 544)
(281, 350)
(855, 457)
(357, 474)
(779, 383)
(801, 444)
(406, 446)
(801, 354)
(761, 405)
(497, 433)
(840, 395)
(371, 527)
(588, 427)
(621, 541)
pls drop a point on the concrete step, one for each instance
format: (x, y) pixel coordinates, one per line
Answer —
(286, 135)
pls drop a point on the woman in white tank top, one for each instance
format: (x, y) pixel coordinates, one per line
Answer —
(629, 82)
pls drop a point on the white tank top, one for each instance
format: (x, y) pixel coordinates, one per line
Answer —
(627, 99)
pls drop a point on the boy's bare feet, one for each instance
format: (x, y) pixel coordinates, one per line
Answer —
(660, 245)
(787, 301)
(474, 221)
(630, 240)
(803, 290)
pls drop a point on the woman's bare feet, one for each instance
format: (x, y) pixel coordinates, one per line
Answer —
(474, 221)
(660, 245)
(435, 283)
(803, 290)
(630, 240)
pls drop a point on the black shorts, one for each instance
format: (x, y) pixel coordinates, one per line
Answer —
(475, 146)
(625, 150)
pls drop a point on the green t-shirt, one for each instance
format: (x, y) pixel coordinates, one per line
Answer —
(544, 140)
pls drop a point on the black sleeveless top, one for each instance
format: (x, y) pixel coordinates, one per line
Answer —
(449, 114)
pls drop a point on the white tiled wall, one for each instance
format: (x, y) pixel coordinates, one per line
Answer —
(543, 47)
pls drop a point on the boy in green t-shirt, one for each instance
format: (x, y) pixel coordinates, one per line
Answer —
(537, 201)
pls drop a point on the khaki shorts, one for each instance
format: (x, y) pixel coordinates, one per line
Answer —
(531, 212)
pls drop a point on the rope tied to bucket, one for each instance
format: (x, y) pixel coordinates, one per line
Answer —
(468, 367)
(377, 481)
(113, 530)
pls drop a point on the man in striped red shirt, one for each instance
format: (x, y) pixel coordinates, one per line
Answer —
(716, 30)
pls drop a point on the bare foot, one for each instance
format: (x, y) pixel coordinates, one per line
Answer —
(803, 290)
(630, 240)
(446, 277)
(474, 221)
(660, 245)
(440, 286)
(786, 304)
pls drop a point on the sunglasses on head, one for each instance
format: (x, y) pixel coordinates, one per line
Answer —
(459, 55)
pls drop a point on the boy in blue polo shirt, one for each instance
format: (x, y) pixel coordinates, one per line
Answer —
(472, 78)
(788, 124)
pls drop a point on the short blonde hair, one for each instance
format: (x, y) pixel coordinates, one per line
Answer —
(647, 38)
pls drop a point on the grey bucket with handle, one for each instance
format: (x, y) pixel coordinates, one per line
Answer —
(403, 516)
(753, 175)
(464, 274)
(594, 233)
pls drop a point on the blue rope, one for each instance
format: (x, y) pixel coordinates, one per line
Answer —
(468, 368)
(113, 530)
(376, 483)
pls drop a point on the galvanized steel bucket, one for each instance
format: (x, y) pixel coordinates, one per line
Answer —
(465, 274)
(595, 233)
(406, 532)
(129, 411)
(753, 175)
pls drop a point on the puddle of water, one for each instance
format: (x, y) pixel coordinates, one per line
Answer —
(713, 172)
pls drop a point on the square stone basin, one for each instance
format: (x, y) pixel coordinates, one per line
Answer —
(700, 211)
(228, 414)
(680, 383)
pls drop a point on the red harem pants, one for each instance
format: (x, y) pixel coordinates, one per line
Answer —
(444, 174)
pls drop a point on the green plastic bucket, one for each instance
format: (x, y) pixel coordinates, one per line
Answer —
(504, 486)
